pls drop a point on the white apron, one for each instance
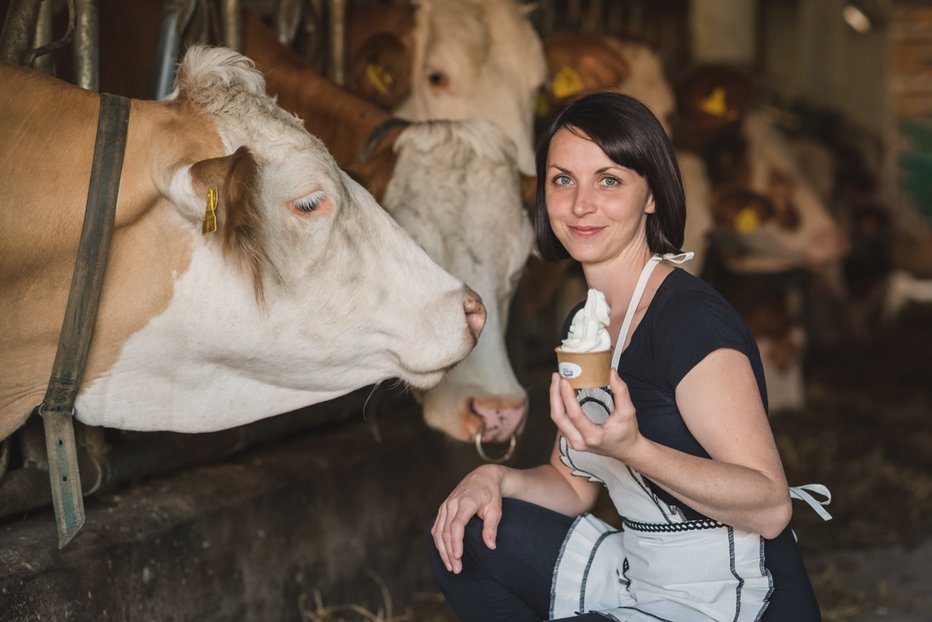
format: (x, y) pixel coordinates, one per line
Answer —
(661, 566)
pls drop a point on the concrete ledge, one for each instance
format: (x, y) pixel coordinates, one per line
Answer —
(245, 538)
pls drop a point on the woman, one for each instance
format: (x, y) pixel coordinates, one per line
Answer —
(686, 451)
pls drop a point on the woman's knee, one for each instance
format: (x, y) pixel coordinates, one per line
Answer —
(472, 546)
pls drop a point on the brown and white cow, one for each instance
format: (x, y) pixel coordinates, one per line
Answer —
(771, 224)
(307, 290)
(453, 186)
(451, 59)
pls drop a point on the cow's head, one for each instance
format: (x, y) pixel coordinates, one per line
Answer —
(580, 64)
(766, 211)
(455, 190)
(647, 80)
(306, 290)
(477, 59)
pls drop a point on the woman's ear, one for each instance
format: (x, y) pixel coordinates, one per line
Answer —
(649, 206)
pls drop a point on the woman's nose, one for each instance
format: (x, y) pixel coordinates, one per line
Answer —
(583, 203)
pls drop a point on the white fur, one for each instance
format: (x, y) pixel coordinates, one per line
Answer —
(818, 240)
(455, 190)
(699, 222)
(495, 61)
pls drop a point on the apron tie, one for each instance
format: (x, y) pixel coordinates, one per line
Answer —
(678, 258)
(803, 494)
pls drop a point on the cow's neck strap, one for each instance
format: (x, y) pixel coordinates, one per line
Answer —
(377, 135)
(57, 410)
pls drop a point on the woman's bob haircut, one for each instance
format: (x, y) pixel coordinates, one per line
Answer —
(629, 134)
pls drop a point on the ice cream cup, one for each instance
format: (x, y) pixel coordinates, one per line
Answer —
(585, 370)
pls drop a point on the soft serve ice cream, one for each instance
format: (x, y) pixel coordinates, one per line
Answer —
(585, 356)
(589, 329)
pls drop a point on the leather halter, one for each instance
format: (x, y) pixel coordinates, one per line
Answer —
(57, 409)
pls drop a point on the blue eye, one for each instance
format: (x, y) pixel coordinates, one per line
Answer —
(562, 180)
(310, 203)
(611, 181)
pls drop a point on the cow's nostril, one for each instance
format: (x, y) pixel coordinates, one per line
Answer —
(502, 417)
(475, 312)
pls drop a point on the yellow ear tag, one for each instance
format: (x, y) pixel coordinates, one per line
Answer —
(715, 104)
(566, 83)
(210, 214)
(379, 78)
(746, 220)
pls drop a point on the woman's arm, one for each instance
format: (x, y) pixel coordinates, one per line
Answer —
(743, 484)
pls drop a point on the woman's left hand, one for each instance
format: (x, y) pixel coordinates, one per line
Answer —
(616, 437)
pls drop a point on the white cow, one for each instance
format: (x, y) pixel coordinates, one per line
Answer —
(472, 59)
(453, 185)
(307, 290)
(455, 190)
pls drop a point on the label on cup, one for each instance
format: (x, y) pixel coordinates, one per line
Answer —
(569, 370)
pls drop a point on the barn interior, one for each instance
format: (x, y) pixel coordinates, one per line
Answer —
(322, 513)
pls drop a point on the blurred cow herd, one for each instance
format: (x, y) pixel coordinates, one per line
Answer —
(436, 114)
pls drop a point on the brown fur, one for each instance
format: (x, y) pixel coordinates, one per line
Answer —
(47, 171)
(238, 216)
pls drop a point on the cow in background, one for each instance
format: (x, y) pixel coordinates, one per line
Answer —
(452, 185)
(579, 64)
(306, 290)
(450, 59)
(776, 250)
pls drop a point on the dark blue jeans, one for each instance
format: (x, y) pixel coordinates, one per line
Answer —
(512, 582)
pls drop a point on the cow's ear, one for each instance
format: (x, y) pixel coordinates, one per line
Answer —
(380, 70)
(233, 210)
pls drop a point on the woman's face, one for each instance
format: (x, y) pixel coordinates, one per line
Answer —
(597, 208)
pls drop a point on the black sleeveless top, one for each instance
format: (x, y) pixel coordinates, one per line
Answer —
(686, 321)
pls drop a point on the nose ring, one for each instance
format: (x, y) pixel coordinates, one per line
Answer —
(512, 442)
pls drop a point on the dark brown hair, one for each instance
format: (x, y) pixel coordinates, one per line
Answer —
(629, 134)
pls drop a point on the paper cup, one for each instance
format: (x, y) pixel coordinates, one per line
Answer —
(585, 370)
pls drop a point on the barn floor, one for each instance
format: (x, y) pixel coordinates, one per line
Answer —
(330, 526)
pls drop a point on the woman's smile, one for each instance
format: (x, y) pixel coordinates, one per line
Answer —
(585, 231)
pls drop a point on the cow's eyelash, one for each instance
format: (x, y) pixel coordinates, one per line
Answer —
(310, 203)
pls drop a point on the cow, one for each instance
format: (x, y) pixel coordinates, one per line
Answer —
(719, 117)
(451, 59)
(773, 233)
(306, 290)
(452, 185)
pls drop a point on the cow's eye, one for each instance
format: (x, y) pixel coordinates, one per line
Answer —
(309, 203)
(438, 79)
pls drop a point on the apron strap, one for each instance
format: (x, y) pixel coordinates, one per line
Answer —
(677, 258)
(803, 494)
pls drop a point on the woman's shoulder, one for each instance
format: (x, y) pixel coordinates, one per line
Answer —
(686, 300)
(681, 287)
(691, 319)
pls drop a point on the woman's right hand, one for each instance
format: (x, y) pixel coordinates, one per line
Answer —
(479, 494)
